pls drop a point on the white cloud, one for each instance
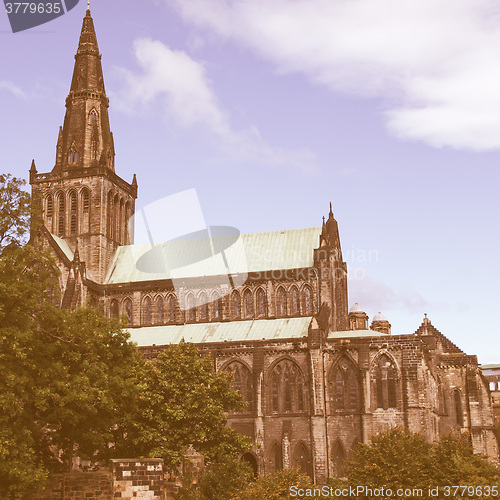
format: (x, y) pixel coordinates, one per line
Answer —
(10, 87)
(187, 94)
(435, 63)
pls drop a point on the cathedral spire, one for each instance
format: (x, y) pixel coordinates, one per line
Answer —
(86, 139)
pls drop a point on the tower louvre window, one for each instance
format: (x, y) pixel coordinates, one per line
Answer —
(86, 200)
(50, 206)
(61, 214)
(73, 212)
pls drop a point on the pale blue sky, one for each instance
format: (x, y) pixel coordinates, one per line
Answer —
(271, 109)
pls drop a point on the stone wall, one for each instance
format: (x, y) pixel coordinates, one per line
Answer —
(138, 478)
(78, 486)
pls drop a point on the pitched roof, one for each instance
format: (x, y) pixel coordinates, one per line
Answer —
(254, 252)
(234, 331)
(356, 333)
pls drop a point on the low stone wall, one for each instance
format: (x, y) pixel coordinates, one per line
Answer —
(138, 478)
(78, 486)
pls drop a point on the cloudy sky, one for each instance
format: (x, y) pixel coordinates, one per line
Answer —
(270, 109)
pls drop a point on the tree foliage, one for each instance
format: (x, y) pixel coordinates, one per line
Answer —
(398, 459)
(183, 401)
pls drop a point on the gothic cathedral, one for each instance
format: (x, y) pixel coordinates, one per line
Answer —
(318, 379)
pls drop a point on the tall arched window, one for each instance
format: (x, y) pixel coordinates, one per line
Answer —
(344, 386)
(171, 309)
(288, 389)
(159, 309)
(216, 306)
(127, 222)
(203, 301)
(94, 135)
(385, 383)
(109, 224)
(261, 303)
(191, 306)
(281, 302)
(73, 154)
(127, 305)
(73, 207)
(308, 300)
(50, 206)
(147, 311)
(242, 382)
(301, 459)
(338, 458)
(457, 403)
(61, 214)
(113, 309)
(237, 304)
(115, 221)
(295, 301)
(121, 222)
(248, 301)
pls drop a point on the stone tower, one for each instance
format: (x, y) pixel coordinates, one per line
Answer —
(82, 200)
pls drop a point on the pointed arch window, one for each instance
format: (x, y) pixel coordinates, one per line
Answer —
(276, 457)
(61, 214)
(170, 309)
(73, 206)
(308, 300)
(248, 301)
(282, 302)
(237, 304)
(113, 309)
(457, 403)
(344, 386)
(301, 459)
(261, 302)
(73, 154)
(116, 222)
(385, 381)
(147, 310)
(203, 301)
(191, 306)
(109, 225)
(216, 306)
(94, 135)
(159, 309)
(295, 301)
(50, 206)
(128, 310)
(338, 458)
(86, 201)
(288, 389)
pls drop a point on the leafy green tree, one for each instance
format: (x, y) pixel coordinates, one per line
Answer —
(274, 486)
(183, 401)
(221, 480)
(65, 376)
(397, 459)
(14, 211)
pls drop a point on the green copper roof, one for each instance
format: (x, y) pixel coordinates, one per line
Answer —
(255, 252)
(235, 331)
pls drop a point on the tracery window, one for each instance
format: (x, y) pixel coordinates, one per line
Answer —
(242, 382)
(94, 135)
(288, 390)
(147, 311)
(248, 301)
(73, 154)
(344, 386)
(282, 302)
(385, 383)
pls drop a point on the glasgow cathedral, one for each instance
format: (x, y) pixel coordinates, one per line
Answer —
(317, 377)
